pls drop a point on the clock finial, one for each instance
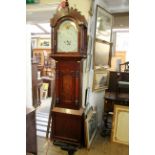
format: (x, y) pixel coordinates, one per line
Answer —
(67, 4)
(64, 4)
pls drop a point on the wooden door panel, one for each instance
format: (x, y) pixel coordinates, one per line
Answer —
(68, 87)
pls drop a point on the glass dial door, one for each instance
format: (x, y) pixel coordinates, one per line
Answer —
(67, 38)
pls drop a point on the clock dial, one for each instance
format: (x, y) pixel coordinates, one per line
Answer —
(67, 40)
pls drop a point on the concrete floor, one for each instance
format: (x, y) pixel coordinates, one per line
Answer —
(42, 114)
(100, 146)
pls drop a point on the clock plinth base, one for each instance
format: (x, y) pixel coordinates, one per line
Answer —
(68, 126)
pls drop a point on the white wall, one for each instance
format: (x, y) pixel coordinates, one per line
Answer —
(28, 69)
(82, 5)
(96, 98)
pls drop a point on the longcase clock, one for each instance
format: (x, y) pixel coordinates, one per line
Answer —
(69, 49)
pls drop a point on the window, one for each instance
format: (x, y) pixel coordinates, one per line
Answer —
(122, 41)
(120, 47)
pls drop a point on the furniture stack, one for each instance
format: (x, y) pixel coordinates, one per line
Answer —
(116, 94)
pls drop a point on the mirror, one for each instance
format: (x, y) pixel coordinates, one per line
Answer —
(102, 43)
(102, 54)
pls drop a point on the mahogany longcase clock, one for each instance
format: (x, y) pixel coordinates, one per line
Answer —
(69, 49)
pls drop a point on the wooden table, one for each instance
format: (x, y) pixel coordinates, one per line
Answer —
(112, 98)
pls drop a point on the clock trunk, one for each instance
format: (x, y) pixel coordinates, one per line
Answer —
(68, 84)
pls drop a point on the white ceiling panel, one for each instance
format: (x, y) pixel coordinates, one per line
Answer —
(34, 29)
(39, 17)
(42, 13)
(117, 6)
(45, 26)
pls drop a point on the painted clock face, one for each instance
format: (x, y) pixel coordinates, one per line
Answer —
(67, 37)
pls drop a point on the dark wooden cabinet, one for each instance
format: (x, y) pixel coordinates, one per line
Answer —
(116, 94)
(31, 139)
(69, 44)
(114, 79)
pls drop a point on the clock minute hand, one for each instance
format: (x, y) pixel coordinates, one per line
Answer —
(67, 42)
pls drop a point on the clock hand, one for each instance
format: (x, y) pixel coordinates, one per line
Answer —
(67, 42)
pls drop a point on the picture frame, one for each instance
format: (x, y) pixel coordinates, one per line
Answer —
(102, 54)
(103, 33)
(87, 95)
(38, 55)
(100, 79)
(91, 11)
(104, 22)
(34, 42)
(120, 125)
(44, 43)
(89, 55)
(90, 128)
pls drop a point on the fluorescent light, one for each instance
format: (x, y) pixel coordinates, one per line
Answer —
(34, 29)
(46, 26)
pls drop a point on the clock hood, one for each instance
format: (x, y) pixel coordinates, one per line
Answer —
(71, 13)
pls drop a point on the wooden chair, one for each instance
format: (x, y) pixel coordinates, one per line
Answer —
(125, 67)
(122, 82)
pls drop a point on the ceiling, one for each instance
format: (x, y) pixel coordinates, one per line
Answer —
(42, 12)
(117, 6)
